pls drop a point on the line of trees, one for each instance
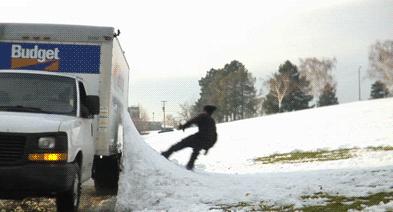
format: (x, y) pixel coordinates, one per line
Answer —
(294, 88)
(232, 89)
(311, 84)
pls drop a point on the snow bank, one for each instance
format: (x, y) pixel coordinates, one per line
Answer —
(148, 180)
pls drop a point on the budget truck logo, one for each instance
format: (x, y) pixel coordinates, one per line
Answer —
(50, 57)
(21, 57)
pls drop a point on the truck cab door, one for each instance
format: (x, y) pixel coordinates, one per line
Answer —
(87, 134)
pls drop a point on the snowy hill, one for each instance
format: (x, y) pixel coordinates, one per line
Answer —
(150, 182)
(360, 124)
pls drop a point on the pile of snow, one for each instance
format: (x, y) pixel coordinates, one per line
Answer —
(150, 182)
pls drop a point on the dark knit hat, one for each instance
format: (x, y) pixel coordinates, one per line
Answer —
(209, 108)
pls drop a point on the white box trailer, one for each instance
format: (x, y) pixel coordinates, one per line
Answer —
(62, 91)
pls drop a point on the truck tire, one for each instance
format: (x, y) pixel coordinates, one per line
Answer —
(68, 201)
(106, 174)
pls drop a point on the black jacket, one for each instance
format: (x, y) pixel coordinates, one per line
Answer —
(207, 128)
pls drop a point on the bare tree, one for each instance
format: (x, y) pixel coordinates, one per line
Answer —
(318, 72)
(186, 110)
(280, 86)
(171, 120)
(381, 62)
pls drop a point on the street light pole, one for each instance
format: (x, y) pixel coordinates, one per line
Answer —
(163, 109)
(360, 97)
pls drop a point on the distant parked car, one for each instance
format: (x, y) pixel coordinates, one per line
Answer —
(168, 129)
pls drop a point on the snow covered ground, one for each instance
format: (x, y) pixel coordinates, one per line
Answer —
(228, 174)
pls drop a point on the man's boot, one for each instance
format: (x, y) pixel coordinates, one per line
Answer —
(166, 154)
(194, 156)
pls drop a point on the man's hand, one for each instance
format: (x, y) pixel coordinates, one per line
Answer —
(206, 151)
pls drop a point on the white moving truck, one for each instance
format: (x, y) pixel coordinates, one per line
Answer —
(62, 90)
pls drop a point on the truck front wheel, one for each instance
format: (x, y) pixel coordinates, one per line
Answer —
(106, 174)
(68, 201)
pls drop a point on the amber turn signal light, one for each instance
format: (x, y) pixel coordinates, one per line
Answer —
(48, 157)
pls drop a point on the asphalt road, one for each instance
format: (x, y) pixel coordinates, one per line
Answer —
(90, 202)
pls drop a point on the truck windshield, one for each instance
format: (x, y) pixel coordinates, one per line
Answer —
(37, 93)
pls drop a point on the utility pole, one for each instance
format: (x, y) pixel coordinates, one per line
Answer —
(163, 109)
(360, 97)
(153, 116)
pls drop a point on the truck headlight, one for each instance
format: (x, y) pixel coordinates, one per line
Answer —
(46, 142)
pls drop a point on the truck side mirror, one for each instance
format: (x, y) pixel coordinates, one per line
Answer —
(93, 104)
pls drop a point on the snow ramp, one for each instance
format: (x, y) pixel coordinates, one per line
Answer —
(149, 182)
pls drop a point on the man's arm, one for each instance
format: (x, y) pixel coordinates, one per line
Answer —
(192, 121)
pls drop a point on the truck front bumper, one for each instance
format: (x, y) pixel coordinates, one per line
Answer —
(35, 180)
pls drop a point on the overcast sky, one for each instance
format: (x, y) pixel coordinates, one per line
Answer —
(171, 44)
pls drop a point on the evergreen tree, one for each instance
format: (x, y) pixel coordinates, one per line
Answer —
(328, 96)
(379, 90)
(297, 96)
(210, 93)
(231, 89)
(270, 104)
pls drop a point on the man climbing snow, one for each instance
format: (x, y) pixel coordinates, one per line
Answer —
(205, 138)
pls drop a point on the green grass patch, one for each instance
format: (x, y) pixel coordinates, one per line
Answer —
(318, 155)
(332, 203)
(248, 206)
(380, 148)
(343, 203)
(308, 156)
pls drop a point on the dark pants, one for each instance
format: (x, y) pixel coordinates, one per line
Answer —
(194, 141)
